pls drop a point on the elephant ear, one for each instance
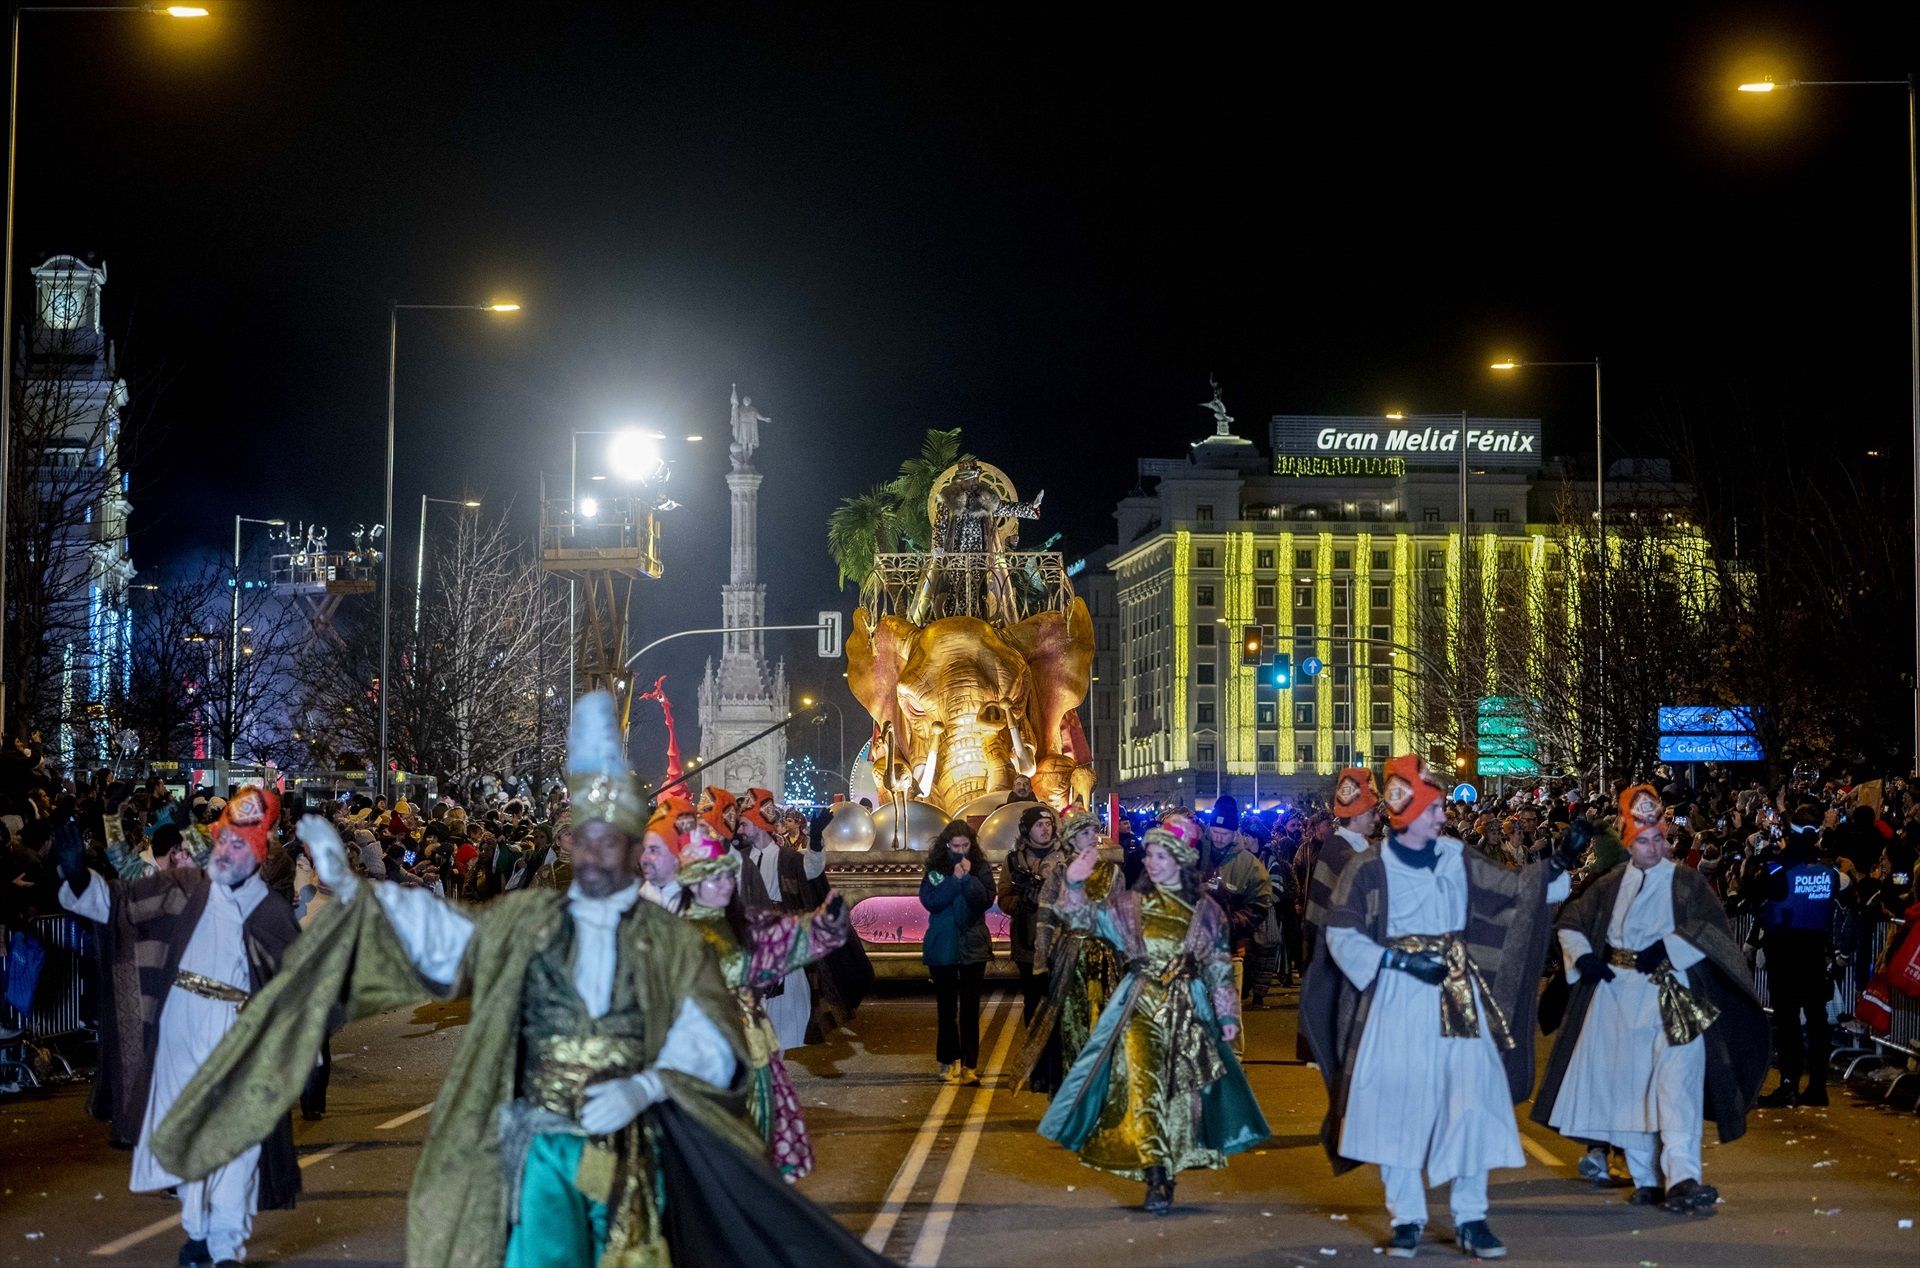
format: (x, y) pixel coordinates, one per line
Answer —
(1058, 649)
(876, 653)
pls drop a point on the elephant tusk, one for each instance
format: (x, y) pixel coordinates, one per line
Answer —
(933, 760)
(1023, 760)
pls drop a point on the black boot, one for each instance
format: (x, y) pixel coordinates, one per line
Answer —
(1786, 1096)
(1689, 1196)
(195, 1252)
(1815, 1095)
(1477, 1240)
(1159, 1192)
(1405, 1243)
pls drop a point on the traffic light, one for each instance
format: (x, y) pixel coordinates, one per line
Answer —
(1251, 645)
(1281, 671)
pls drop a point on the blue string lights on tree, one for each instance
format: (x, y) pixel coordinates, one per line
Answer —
(804, 783)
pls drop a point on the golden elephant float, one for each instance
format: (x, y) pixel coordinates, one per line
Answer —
(969, 705)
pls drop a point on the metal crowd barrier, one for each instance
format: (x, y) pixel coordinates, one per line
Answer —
(61, 1002)
(1905, 1035)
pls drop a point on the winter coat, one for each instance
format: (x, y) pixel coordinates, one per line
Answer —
(956, 918)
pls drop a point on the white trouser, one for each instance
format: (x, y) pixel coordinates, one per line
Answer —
(1407, 1196)
(219, 1209)
(1677, 1155)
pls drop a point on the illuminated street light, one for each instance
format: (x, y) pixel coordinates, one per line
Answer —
(503, 308)
(420, 550)
(1764, 85)
(634, 455)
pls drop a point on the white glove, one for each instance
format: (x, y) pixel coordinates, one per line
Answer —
(614, 1103)
(329, 856)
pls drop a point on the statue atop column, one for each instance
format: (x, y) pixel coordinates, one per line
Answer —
(745, 420)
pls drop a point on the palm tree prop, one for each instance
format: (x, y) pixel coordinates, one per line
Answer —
(891, 517)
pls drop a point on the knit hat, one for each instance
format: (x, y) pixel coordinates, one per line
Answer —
(704, 854)
(1032, 815)
(760, 810)
(1353, 793)
(1077, 821)
(1640, 809)
(598, 780)
(1410, 789)
(1183, 853)
(1226, 813)
(250, 816)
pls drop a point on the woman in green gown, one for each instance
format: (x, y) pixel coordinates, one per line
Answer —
(1156, 1090)
(1082, 968)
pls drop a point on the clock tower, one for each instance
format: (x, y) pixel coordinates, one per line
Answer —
(67, 296)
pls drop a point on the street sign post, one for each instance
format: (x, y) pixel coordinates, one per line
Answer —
(832, 631)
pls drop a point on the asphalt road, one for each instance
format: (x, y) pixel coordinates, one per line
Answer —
(957, 1176)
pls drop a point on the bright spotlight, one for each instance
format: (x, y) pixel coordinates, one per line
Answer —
(589, 507)
(634, 455)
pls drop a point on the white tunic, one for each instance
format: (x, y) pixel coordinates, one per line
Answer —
(1624, 1079)
(1416, 1098)
(191, 1026)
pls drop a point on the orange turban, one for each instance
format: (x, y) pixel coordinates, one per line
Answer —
(250, 815)
(1409, 789)
(1353, 792)
(759, 801)
(720, 802)
(662, 826)
(1640, 809)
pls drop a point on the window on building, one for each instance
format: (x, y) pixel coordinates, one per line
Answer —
(1263, 558)
(1436, 597)
(1303, 596)
(1382, 675)
(1203, 557)
(1556, 562)
(1266, 755)
(1382, 597)
(1380, 755)
(1342, 716)
(1436, 559)
(1204, 635)
(1341, 673)
(1501, 515)
(1263, 596)
(1382, 715)
(1341, 755)
(1266, 717)
(1343, 559)
(1204, 670)
(1306, 754)
(1303, 713)
(1303, 559)
(1341, 589)
(1203, 755)
(1381, 636)
(1382, 561)
(1203, 713)
(1203, 596)
(1203, 512)
(1431, 514)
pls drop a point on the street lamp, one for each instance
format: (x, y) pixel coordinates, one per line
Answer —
(840, 754)
(6, 267)
(394, 309)
(233, 640)
(1600, 529)
(1913, 328)
(420, 551)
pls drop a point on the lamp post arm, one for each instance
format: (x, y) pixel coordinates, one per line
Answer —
(719, 629)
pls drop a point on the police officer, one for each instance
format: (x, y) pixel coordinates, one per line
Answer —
(1796, 921)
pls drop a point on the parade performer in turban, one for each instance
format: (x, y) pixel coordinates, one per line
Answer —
(594, 1112)
(1356, 812)
(757, 949)
(1663, 1028)
(183, 950)
(1420, 1011)
(1081, 967)
(1157, 1090)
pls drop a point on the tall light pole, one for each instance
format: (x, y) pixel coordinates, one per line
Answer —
(840, 754)
(6, 271)
(394, 310)
(420, 550)
(1600, 532)
(233, 638)
(1913, 331)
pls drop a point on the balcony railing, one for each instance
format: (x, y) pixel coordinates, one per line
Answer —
(1000, 588)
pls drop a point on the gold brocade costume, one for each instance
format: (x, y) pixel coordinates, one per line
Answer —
(1146, 1122)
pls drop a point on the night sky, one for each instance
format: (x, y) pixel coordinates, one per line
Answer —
(1045, 230)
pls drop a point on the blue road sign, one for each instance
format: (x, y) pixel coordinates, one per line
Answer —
(1311, 667)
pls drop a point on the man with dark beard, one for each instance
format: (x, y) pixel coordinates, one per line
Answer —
(184, 949)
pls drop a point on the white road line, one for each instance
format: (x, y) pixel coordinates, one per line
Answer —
(139, 1235)
(946, 1199)
(1540, 1152)
(910, 1167)
(405, 1118)
(158, 1227)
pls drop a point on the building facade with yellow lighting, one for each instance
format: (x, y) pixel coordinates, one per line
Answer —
(1342, 543)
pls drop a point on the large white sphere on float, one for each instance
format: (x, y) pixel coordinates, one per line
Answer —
(849, 828)
(924, 821)
(1001, 831)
